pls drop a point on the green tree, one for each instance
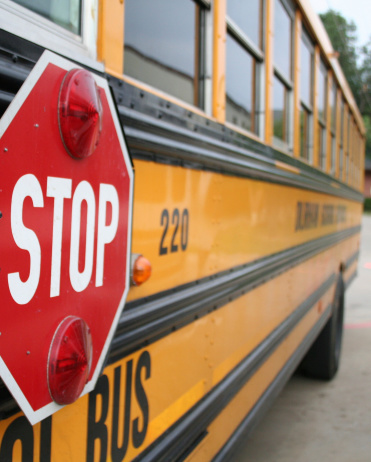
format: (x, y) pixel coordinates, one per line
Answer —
(343, 38)
(365, 106)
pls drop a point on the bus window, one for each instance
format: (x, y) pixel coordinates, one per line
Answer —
(162, 46)
(347, 153)
(240, 108)
(282, 82)
(321, 128)
(244, 38)
(306, 96)
(341, 139)
(333, 107)
(247, 15)
(65, 13)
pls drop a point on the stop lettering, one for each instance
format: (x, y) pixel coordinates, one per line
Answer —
(60, 189)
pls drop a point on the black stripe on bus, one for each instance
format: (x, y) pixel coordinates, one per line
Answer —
(184, 432)
(160, 131)
(270, 394)
(145, 321)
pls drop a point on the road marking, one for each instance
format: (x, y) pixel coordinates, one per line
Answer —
(360, 325)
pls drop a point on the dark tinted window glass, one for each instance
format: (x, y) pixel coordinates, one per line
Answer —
(305, 73)
(65, 13)
(247, 15)
(322, 93)
(304, 133)
(333, 154)
(321, 139)
(239, 85)
(279, 109)
(160, 45)
(282, 40)
(333, 107)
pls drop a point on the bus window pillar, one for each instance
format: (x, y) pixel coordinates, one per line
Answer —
(111, 36)
(219, 60)
(297, 35)
(269, 34)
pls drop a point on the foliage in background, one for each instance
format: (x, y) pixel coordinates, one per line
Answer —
(367, 205)
(356, 64)
(343, 38)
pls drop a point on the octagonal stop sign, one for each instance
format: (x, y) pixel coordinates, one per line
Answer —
(66, 208)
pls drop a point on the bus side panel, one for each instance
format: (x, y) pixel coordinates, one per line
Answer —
(148, 392)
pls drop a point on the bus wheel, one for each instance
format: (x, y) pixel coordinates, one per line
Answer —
(323, 358)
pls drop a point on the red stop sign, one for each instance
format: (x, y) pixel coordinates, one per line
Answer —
(65, 234)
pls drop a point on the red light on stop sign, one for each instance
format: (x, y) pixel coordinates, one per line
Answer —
(69, 362)
(80, 113)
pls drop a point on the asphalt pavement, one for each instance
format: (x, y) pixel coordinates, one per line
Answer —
(313, 420)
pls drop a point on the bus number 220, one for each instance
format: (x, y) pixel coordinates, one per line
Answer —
(179, 224)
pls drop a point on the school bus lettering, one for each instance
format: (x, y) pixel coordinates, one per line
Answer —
(306, 215)
(177, 221)
(311, 215)
(21, 433)
(133, 430)
(328, 216)
(61, 189)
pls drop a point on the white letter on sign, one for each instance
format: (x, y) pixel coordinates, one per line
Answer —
(84, 192)
(25, 238)
(60, 189)
(106, 234)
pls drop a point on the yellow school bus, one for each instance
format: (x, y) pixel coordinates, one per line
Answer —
(248, 155)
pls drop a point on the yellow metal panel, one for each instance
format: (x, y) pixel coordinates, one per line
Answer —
(219, 98)
(151, 389)
(225, 424)
(231, 221)
(111, 35)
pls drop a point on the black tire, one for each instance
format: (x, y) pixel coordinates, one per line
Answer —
(323, 358)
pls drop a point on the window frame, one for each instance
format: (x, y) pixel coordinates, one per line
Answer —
(333, 125)
(341, 137)
(25, 23)
(322, 121)
(347, 148)
(258, 57)
(288, 142)
(203, 55)
(304, 106)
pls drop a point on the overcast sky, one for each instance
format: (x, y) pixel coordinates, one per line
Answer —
(357, 10)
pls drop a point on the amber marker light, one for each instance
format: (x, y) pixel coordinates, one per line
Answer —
(141, 269)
